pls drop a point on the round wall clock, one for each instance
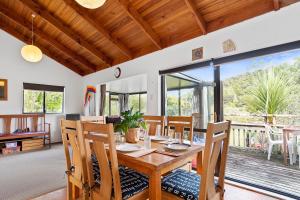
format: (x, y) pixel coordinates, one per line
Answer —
(117, 72)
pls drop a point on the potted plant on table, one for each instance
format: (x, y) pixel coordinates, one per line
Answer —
(130, 124)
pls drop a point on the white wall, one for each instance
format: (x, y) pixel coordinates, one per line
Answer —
(270, 29)
(267, 30)
(17, 71)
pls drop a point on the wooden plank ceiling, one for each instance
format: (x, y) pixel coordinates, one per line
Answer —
(87, 41)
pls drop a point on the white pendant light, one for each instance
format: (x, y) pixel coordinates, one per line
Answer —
(30, 52)
(91, 4)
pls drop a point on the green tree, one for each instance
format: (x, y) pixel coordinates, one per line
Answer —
(54, 102)
(33, 101)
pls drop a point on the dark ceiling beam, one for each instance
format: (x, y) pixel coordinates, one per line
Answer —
(90, 19)
(50, 18)
(136, 17)
(27, 25)
(199, 18)
(276, 4)
(45, 51)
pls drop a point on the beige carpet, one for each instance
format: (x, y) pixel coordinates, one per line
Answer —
(27, 175)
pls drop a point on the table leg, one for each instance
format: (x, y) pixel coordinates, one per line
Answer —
(285, 147)
(155, 186)
(200, 162)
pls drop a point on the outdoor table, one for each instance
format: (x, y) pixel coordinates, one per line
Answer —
(294, 131)
(157, 163)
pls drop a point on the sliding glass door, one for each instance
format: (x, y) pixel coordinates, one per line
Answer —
(262, 92)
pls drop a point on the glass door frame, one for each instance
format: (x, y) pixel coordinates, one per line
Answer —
(218, 93)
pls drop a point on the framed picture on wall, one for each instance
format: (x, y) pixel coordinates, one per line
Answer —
(3, 89)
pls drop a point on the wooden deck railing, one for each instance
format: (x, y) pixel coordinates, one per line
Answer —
(250, 136)
(248, 131)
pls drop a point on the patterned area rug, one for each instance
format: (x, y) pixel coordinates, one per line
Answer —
(31, 174)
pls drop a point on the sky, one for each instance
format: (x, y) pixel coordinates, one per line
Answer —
(237, 68)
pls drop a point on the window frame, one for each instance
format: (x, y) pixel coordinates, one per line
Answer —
(63, 103)
(115, 93)
(178, 91)
(112, 99)
(137, 93)
(44, 89)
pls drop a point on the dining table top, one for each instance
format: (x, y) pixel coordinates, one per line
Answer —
(160, 157)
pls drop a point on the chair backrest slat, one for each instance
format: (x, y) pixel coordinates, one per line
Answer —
(153, 122)
(180, 123)
(99, 139)
(98, 119)
(217, 141)
(91, 126)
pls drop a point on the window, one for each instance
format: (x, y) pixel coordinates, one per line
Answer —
(54, 102)
(173, 103)
(191, 93)
(114, 105)
(106, 112)
(186, 101)
(134, 102)
(180, 102)
(138, 102)
(143, 103)
(33, 101)
(42, 98)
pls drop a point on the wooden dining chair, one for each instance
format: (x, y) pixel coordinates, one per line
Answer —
(179, 123)
(105, 177)
(153, 122)
(181, 184)
(98, 119)
(76, 165)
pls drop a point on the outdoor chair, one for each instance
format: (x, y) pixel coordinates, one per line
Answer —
(271, 133)
(298, 148)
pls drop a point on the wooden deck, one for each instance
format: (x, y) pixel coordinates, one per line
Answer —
(257, 170)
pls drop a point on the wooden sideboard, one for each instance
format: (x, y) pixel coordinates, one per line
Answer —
(28, 131)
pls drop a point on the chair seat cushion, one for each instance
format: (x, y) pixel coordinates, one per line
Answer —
(183, 184)
(132, 182)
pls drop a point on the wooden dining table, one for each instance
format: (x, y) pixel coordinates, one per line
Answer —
(287, 132)
(160, 162)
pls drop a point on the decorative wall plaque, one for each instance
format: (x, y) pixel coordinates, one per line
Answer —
(3, 89)
(197, 53)
(228, 46)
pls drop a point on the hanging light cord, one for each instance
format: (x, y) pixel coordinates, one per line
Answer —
(32, 16)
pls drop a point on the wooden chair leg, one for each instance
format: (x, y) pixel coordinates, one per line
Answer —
(69, 191)
(75, 192)
(85, 195)
(49, 138)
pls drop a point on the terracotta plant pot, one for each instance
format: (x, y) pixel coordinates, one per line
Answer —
(132, 136)
(270, 119)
